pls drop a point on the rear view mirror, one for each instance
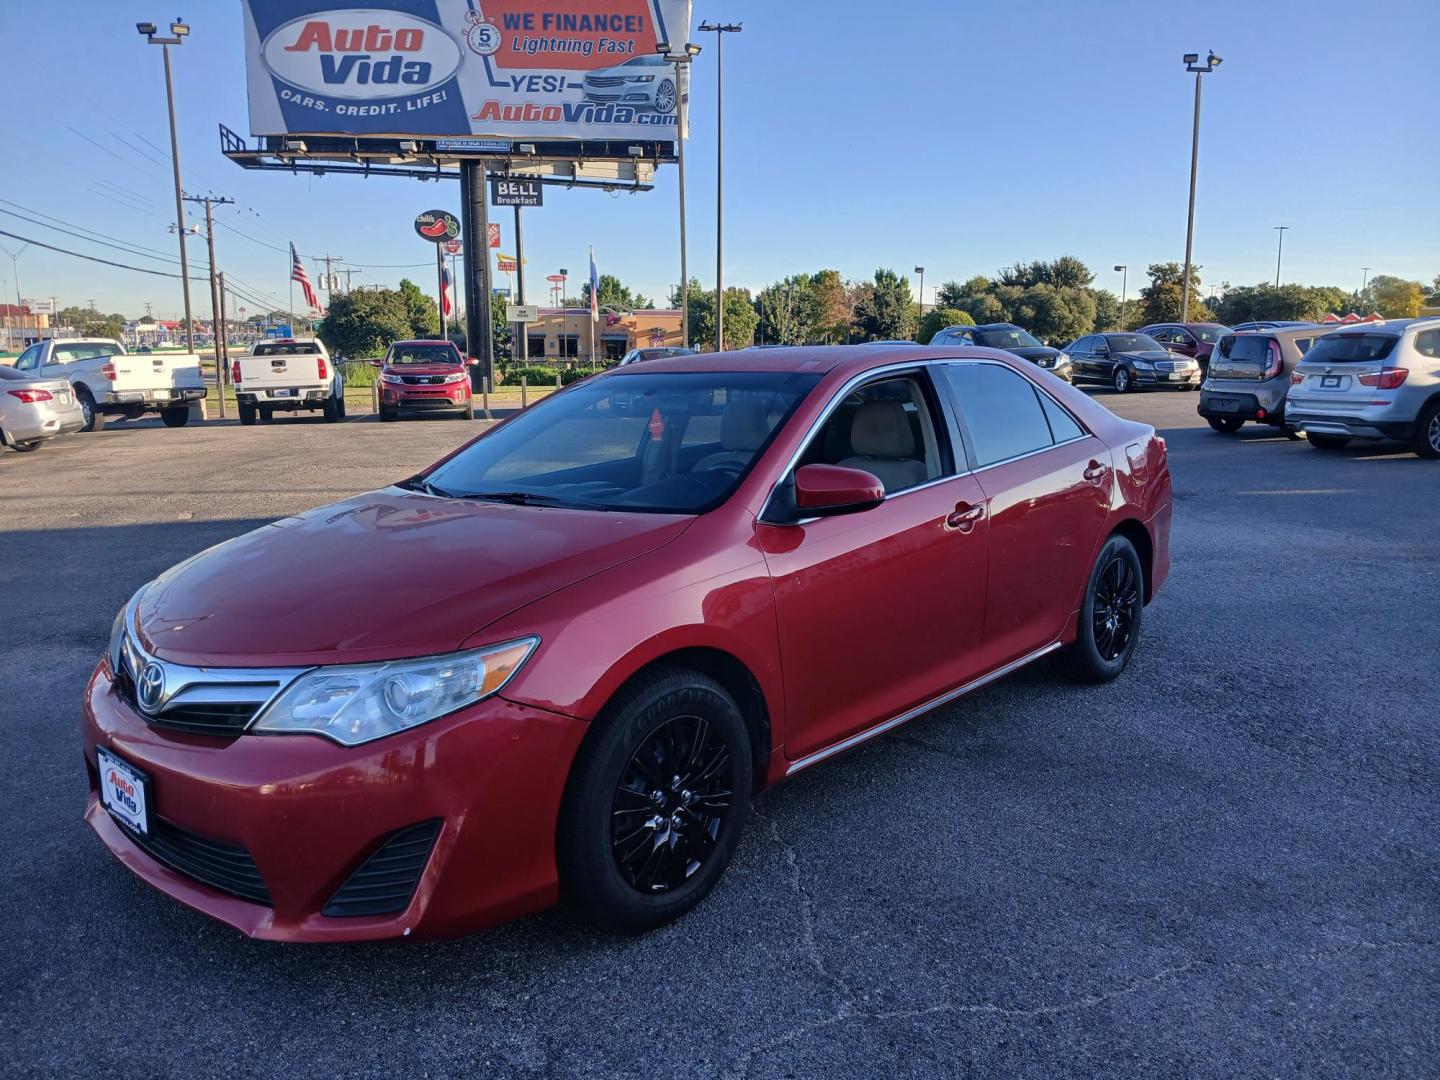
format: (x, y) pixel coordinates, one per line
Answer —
(824, 490)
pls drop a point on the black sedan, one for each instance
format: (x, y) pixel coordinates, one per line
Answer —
(1011, 338)
(1125, 361)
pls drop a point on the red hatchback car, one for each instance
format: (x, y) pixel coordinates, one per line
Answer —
(615, 626)
(424, 376)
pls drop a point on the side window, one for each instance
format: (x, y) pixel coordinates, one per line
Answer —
(1302, 345)
(888, 428)
(1086, 344)
(1062, 425)
(1002, 412)
(29, 359)
(1427, 343)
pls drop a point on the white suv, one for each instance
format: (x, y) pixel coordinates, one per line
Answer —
(1371, 381)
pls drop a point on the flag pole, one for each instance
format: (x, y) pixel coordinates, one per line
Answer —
(440, 285)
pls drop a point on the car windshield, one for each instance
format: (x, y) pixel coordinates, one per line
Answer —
(88, 350)
(289, 348)
(1351, 348)
(424, 352)
(1007, 339)
(671, 443)
(1133, 343)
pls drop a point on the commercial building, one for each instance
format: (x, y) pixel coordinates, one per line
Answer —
(564, 333)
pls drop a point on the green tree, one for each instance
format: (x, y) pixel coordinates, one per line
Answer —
(614, 294)
(1109, 314)
(790, 311)
(363, 322)
(420, 310)
(1397, 298)
(937, 319)
(953, 294)
(90, 323)
(1064, 272)
(1160, 301)
(832, 306)
(741, 317)
(886, 311)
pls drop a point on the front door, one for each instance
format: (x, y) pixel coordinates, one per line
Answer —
(882, 610)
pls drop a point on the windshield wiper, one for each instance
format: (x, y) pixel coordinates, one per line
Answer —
(515, 498)
(415, 484)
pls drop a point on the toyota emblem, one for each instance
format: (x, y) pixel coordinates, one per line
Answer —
(151, 690)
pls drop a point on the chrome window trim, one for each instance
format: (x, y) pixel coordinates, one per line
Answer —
(910, 714)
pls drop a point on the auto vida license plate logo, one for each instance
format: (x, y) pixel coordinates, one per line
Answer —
(151, 690)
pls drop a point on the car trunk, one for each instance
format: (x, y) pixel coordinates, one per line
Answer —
(1332, 371)
(156, 371)
(274, 369)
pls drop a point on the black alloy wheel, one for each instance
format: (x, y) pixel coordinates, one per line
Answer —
(1110, 616)
(672, 800)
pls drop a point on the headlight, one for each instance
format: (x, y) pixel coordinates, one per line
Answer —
(640, 78)
(459, 376)
(1146, 364)
(387, 377)
(356, 703)
(117, 638)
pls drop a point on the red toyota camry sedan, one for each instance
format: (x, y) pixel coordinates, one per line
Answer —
(563, 659)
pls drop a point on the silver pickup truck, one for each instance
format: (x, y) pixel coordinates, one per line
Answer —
(108, 381)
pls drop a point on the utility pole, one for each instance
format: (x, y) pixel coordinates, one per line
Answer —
(720, 30)
(222, 354)
(348, 275)
(210, 202)
(1279, 248)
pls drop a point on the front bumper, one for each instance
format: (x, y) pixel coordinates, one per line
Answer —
(1172, 380)
(443, 396)
(1350, 426)
(309, 813)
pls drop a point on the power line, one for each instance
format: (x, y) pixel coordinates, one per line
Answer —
(92, 258)
(82, 228)
(103, 243)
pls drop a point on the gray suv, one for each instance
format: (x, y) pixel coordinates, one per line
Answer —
(1249, 377)
(1375, 381)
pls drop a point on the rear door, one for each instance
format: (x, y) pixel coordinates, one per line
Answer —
(1082, 359)
(1047, 484)
(1243, 356)
(1341, 371)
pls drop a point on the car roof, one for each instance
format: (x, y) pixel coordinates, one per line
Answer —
(816, 359)
(423, 341)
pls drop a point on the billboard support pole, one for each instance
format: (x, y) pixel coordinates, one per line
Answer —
(522, 341)
(475, 230)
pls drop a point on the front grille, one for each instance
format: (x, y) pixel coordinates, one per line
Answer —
(386, 881)
(220, 718)
(604, 80)
(1174, 365)
(221, 866)
(423, 380)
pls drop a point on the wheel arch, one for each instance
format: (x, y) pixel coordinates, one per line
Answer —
(1134, 530)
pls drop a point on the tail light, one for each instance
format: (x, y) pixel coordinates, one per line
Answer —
(107, 369)
(1388, 379)
(320, 369)
(1296, 378)
(1277, 362)
(30, 397)
(235, 372)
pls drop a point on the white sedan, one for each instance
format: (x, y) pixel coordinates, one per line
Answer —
(645, 82)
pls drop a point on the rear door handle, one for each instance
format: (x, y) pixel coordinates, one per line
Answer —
(1095, 471)
(965, 516)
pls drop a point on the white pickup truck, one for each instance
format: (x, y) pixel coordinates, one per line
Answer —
(287, 375)
(108, 381)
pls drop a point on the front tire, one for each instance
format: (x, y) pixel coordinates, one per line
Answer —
(655, 802)
(27, 446)
(1120, 380)
(1426, 441)
(1327, 442)
(469, 413)
(178, 416)
(1110, 616)
(1226, 425)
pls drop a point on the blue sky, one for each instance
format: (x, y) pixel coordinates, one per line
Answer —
(962, 137)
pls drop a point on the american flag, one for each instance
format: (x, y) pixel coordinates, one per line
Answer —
(297, 273)
(445, 293)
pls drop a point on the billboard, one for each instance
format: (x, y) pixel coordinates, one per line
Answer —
(504, 69)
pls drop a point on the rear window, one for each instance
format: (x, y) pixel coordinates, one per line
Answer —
(1351, 348)
(290, 348)
(1246, 348)
(64, 354)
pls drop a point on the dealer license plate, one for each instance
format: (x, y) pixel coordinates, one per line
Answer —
(282, 393)
(125, 792)
(1330, 381)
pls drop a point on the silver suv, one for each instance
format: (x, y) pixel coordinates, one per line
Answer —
(1377, 381)
(1249, 377)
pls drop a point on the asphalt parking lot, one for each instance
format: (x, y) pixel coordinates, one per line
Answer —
(1226, 863)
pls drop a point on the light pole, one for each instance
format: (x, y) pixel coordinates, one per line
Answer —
(178, 33)
(1192, 64)
(921, 271)
(1123, 269)
(682, 61)
(1364, 283)
(1278, 249)
(720, 30)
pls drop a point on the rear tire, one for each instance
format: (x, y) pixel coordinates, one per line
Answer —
(1120, 380)
(267, 413)
(1426, 440)
(1226, 425)
(331, 411)
(655, 802)
(247, 415)
(27, 446)
(177, 416)
(1328, 442)
(1110, 616)
(94, 418)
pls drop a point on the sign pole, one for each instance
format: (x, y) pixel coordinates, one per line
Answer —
(522, 338)
(475, 219)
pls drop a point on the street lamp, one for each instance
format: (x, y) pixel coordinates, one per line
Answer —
(682, 60)
(1123, 269)
(720, 30)
(921, 271)
(178, 33)
(1279, 248)
(1193, 65)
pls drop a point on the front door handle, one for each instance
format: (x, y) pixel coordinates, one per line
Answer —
(965, 516)
(1095, 471)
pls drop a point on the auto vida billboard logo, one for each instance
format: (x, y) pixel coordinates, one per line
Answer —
(361, 54)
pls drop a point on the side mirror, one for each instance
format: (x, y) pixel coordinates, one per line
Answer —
(823, 490)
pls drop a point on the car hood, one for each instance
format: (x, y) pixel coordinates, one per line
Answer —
(423, 369)
(1149, 356)
(384, 575)
(1035, 352)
